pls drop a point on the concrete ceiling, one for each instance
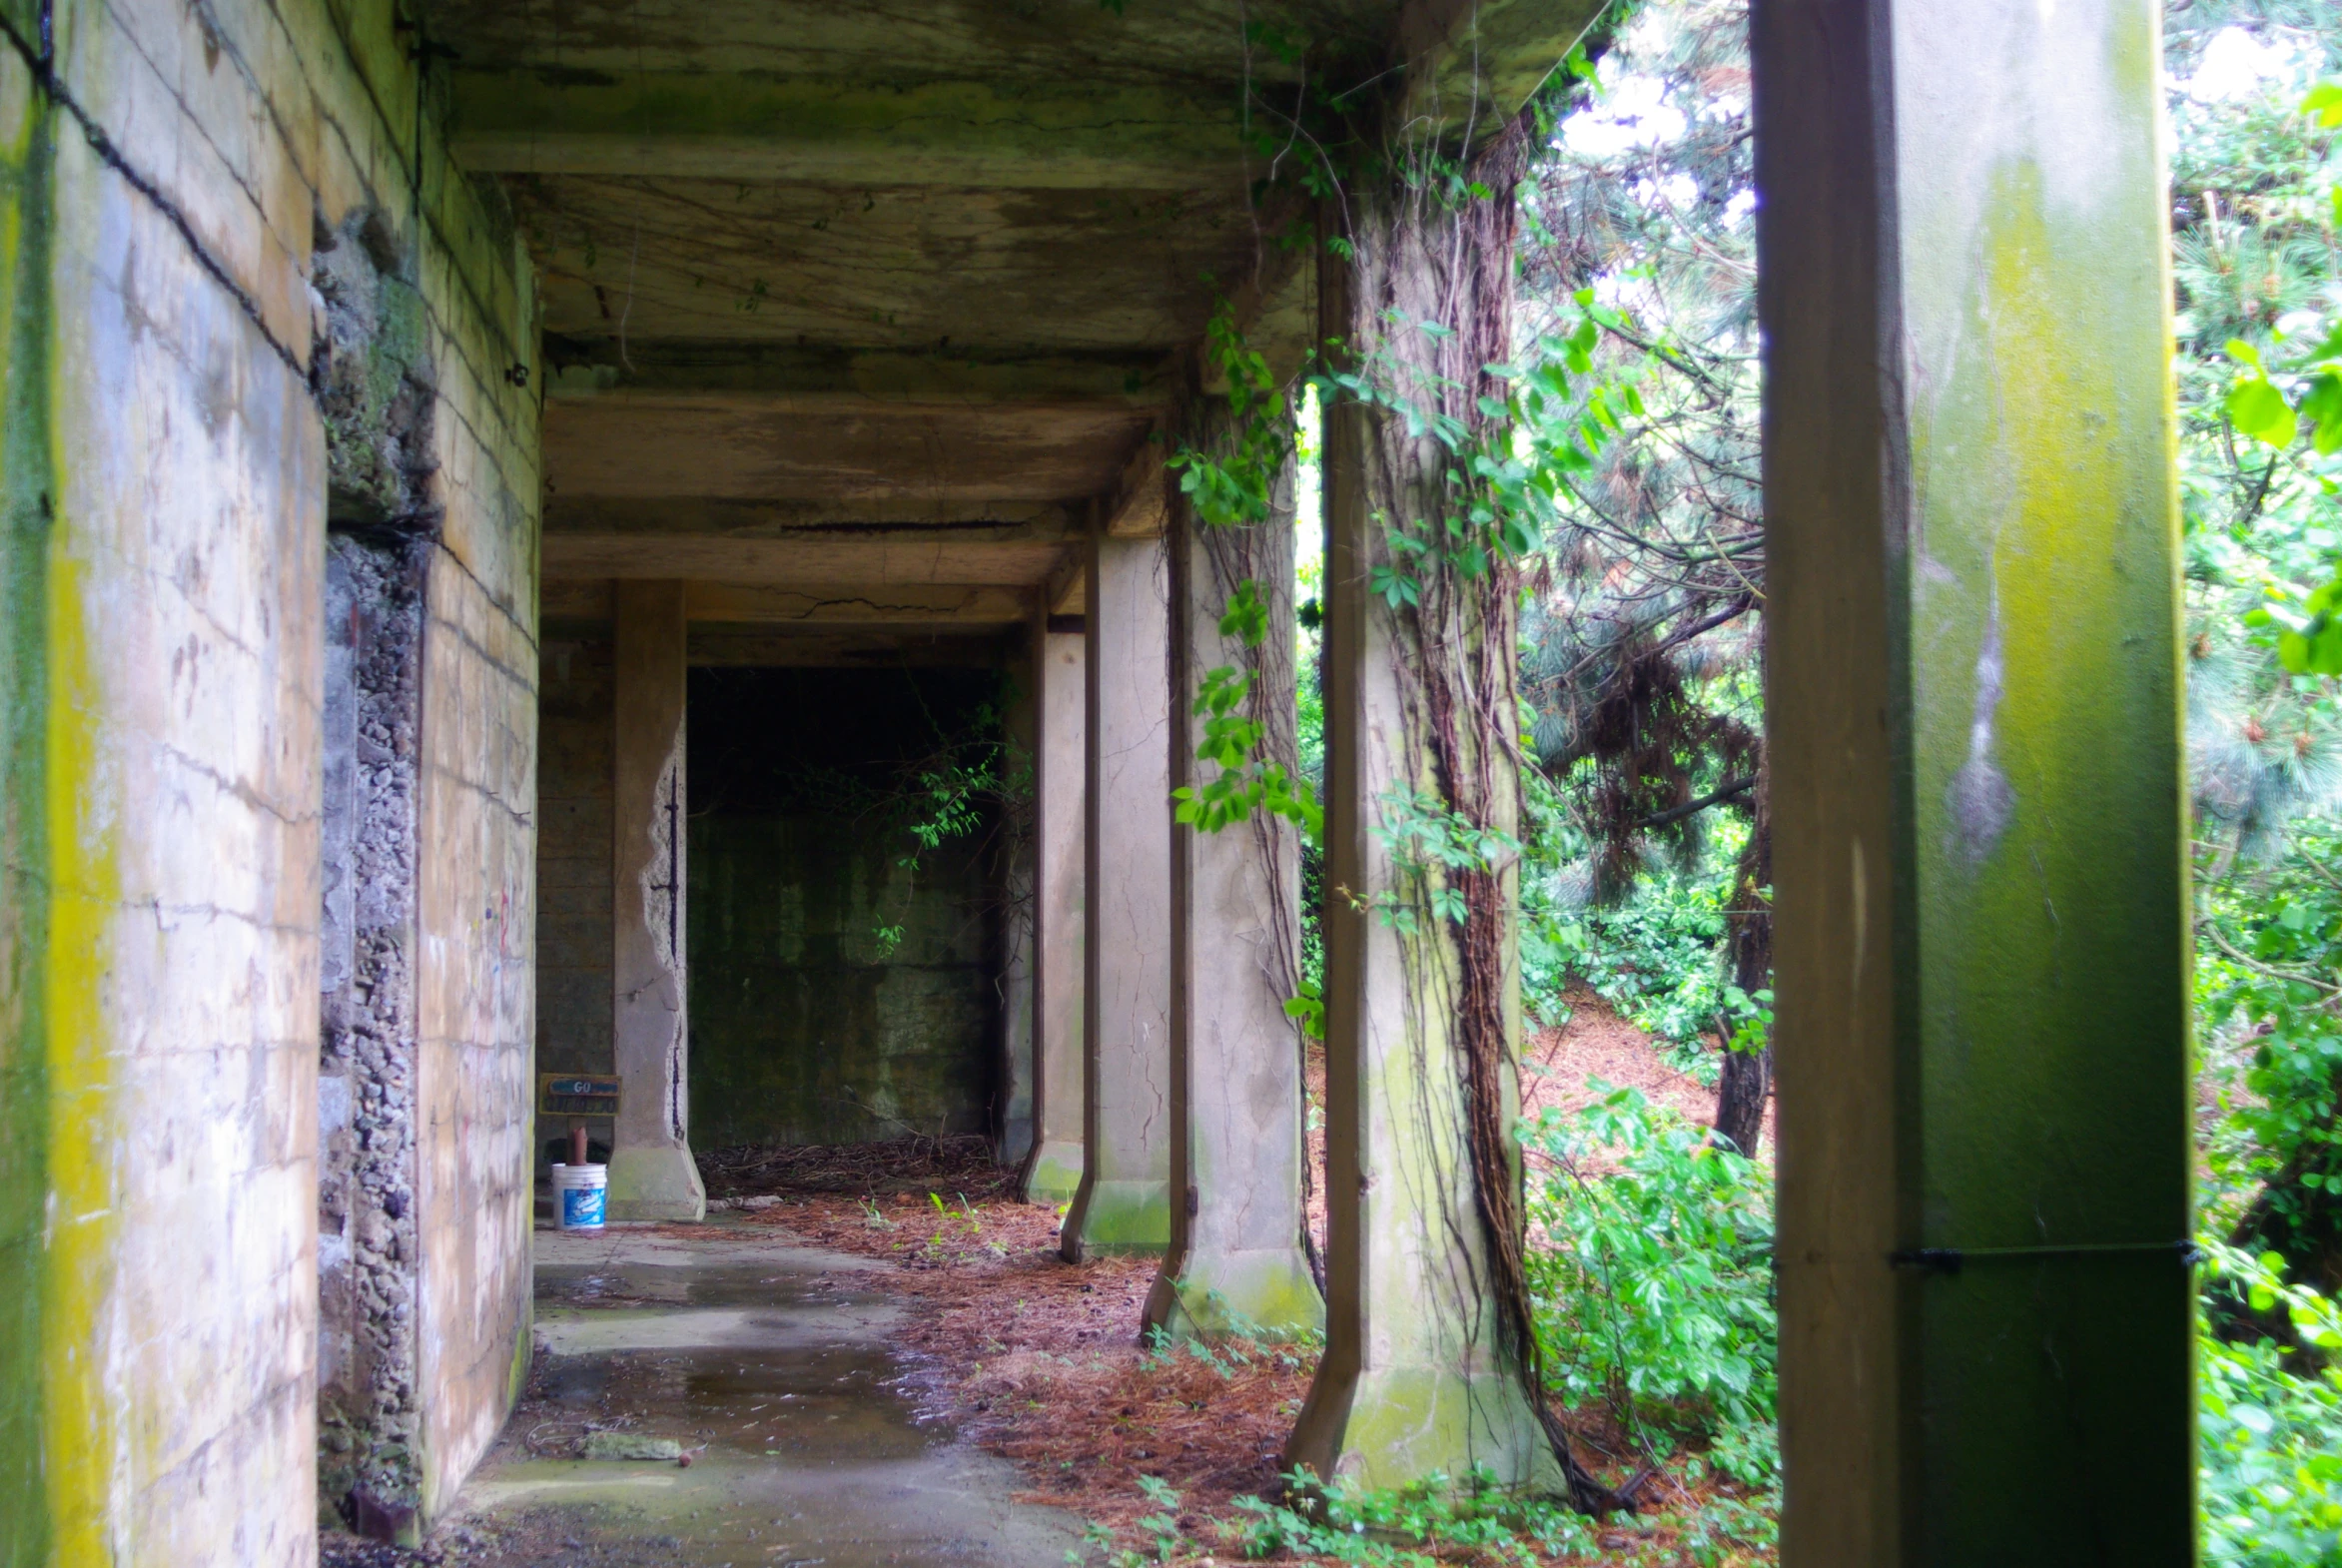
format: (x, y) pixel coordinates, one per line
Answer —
(844, 296)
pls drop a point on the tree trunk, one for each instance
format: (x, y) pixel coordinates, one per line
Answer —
(1746, 1087)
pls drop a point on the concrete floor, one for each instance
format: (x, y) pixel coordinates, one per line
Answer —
(770, 1365)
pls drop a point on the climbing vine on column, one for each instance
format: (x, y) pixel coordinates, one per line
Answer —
(1469, 458)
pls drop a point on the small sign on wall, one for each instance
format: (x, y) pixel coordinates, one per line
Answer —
(577, 1094)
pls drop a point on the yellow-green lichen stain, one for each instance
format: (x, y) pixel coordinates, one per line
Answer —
(58, 1144)
(77, 1411)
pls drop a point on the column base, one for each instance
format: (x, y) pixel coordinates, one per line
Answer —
(1055, 1176)
(1016, 1141)
(1375, 1431)
(1269, 1291)
(656, 1184)
(1115, 1218)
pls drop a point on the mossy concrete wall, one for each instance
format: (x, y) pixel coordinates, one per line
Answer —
(164, 171)
(838, 994)
(808, 1026)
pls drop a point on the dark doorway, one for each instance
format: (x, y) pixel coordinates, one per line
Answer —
(845, 915)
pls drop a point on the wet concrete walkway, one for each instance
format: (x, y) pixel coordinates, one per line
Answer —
(769, 1365)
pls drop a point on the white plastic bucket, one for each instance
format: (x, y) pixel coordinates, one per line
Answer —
(580, 1193)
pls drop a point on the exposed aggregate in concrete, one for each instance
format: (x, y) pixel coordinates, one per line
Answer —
(372, 386)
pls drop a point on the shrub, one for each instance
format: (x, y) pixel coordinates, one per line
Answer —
(1654, 1280)
(2270, 1429)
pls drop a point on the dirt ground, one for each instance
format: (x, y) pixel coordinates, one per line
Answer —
(1597, 1044)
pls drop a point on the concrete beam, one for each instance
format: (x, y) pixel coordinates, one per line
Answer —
(1472, 64)
(857, 604)
(810, 379)
(993, 521)
(919, 268)
(882, 647)
(1069, 134)
(1138, 507)
(1060, 775)
(827, 556)
(1979, 807)
(748, 446)
(652, 1176)
(1123, 1205)
(862, 605)
(1236, 1260)
(1066, 593)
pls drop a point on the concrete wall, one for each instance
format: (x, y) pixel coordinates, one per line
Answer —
(476, 994)
(162, 549)
(837, 995)
(574, 759)
(810, 1028)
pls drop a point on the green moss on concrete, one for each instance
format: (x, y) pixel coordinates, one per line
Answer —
(658, 1182)
(1408, 1422)
(1055, 1174)
(808, 1024)
(1257, 1293)
(27, 499)
(373, 378)
(1121, 1218)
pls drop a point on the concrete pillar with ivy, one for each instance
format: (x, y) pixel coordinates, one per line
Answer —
(1237, 1259)
(1979, 815)
(1122, 1203)
(1430, 1357)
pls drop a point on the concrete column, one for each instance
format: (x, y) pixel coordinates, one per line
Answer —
(1981, 932)
(1122, 1204)
(1420, 1376)
(1061, 834)
(1235, 1257)
(1018, 869)
(651, 1173)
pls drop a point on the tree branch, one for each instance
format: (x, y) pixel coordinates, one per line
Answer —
(1714, 797)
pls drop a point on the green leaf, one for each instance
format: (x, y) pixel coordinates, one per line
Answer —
(2325, 103)
(2322, 404)
(2259, 411)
